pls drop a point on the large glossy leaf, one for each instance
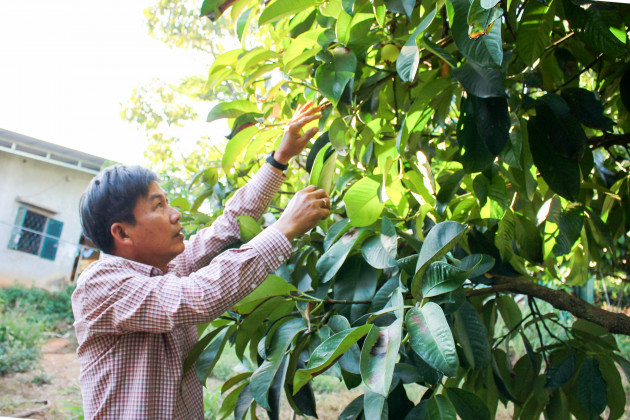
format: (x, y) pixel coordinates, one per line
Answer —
(440, 240)
(480, 81)
(591, 388)
(210, 355)
(334, 74)
(616, 394)
(493, 122)
(336, 230)
(472, 336)
(587, 108)
(440, 407)
(350, 361)
(248, 227)
(509, 310)
(324, 169)
(337, 133)
(441, 278)
(272, 286)
(468, 405)
(534, 30)
(431, 338)
(569, 229)
(362, 203)
(480, 19)
(236, 146)
(475, 154)
(560, 374)
(566, 135)
(353, 410)
(380, 352)
(409, 57)
(355, 281)
(485, 51)
(375, 406)
(380, 250)
(243, 403)
(278, 9)
(231, 109)
(262, 378)
(333, 259)
(199, 347)
(327, 353)
(562, 174)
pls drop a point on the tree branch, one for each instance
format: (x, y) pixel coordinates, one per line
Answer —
(616, 323)
(609, 139)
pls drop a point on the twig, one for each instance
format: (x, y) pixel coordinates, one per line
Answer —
(29, 413)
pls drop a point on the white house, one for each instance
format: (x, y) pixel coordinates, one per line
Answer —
(40, 187)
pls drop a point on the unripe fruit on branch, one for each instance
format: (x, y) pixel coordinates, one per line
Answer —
(389, 53)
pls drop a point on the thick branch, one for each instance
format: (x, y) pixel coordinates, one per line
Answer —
(616, 323)
(609, 139)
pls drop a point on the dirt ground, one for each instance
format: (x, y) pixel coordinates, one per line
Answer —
(50, 391)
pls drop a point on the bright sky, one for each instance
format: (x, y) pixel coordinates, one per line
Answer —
(67, 65)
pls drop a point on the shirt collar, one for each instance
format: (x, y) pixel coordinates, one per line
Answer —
(144, 269)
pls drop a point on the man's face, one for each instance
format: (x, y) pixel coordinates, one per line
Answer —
(156, 235)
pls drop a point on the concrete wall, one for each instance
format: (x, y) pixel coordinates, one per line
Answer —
(54, 187)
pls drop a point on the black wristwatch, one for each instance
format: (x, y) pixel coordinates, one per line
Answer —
(275, 163)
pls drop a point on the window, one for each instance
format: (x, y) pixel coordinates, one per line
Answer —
(35, 234)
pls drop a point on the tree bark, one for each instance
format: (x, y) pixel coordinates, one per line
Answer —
(609, 139)
(616, 323)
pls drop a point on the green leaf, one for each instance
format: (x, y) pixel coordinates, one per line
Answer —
(478, 264)
(440, 407)
(211, 9)
(509, 310)
(378, 357)
(199, 347)
(441, 278)
(333, 75)
(248, 227)
(569, 226)
(505, 235)
(480, 19)
(468, 405)
(440, 240)
(565, 133)
(472, 336)
(278, 9)
(272, 286)
(587, 108)
(439, 51)
(318, 145)
(337, 133)
(356, 280)
(362, 204)
(401, 6)
(431, 338)
(448, 188)
(236, 146)
(493, 122)
(350, 361)
(534, 30)
(614, 387)
(409, 57)
(480, 81)
(559, 375)
(475, 154)
(231, 109)
(323, 169)
(380, 351)
(486, 51)
(327, 353)
(375, 406)
(336, 230)
(591, 388)
(380, 250)
(333, 259)
(562, 174)
(181, 202)
(210, 355)
(353, 410)
(243, 403)
(262, 378)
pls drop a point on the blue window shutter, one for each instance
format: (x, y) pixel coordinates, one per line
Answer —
(14, 239)
(49, 248)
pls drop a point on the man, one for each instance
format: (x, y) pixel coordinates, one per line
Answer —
(136, 309)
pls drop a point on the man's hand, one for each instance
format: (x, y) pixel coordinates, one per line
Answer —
(293, 142)
(304, 211)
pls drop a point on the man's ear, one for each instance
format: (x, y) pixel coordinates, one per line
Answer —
(120, 233)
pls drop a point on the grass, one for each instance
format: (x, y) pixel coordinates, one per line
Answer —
(26, 314)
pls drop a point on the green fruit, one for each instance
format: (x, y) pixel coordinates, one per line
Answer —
(389, 53)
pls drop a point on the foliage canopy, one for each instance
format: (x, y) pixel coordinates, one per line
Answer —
(474, 150)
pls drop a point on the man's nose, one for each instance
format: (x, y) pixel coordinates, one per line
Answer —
(175, 216)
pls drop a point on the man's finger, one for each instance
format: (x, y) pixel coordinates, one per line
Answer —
(307, 119)
(309, 134)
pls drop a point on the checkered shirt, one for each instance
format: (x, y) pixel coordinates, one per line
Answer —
(135, 324)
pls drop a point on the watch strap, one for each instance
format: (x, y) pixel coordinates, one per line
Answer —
(275, 163)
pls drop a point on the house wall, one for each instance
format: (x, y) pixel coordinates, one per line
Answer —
(53, 187)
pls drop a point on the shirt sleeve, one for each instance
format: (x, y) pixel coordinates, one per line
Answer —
(115, 300)
(250, 200)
